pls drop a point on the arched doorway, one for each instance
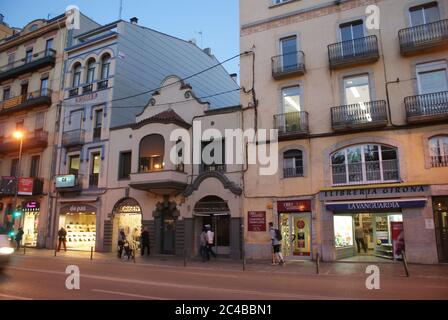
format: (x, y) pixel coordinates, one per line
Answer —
(127, 215)
(214, 211)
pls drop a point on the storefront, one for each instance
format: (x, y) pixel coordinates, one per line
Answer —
(79, 220)
(30, 211)
(296, 227)
(368, 223)
(440, 207)
(127, 216)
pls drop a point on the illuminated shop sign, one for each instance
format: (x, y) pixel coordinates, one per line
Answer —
(128, 209)
(66, 181)
(375, 205)
(31, 206)
(75, 208)
(294, 206)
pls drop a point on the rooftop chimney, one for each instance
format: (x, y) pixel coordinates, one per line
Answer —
(1, 18)
(234, 76)
(208, 51)
(134, 20)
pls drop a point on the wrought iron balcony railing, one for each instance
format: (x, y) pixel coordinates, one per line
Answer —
(291, 123)
(293, 172)
(288, 65)
(73, 92)
(427, 107)
(351, 52)
(73, 138)
(360, 115)
(87, 88)
(31, 140)
(30, 99)
(101, 85)
(439, 161)
(28, 64)
(423, 37)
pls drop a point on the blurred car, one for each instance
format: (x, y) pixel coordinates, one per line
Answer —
(6, 250)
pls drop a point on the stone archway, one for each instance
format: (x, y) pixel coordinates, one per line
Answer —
(126, 215)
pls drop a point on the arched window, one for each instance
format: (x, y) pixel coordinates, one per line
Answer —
(105, 64)
(438, 151)
(152, 149)
(90, 71)
(292, 163)
(362, 164)
(76, 75)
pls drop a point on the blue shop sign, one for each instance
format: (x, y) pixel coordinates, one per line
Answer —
(375, 205)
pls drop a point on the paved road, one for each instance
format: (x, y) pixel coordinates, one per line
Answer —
(31, 277)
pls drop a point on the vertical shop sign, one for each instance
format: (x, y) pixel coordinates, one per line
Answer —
(302, 230)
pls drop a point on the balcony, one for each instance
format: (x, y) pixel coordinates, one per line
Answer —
(427, 107)
(162, 182)
(291, 124)
(71, 183)
(292, 172)
(73, 92)
(353, 52)
(427, 36)
(38, 60)
(27, 186)
(31, 140)
(368, 172)
(29, 100)
(93, 180)
(97, 133)
(73, 138)
(439, 161)
(363, 115)
(87, 88)
(101, 85)
(291, 64)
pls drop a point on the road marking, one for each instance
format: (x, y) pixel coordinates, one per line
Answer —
(14, 297)
(118, 293)
(190, 287)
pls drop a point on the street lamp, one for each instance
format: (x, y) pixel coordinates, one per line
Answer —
(19, 136)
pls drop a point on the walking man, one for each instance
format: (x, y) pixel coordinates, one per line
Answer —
(210, 241)
(276, 244)
(359, 236)
(62, 237)
(145, 241)
(19, 237)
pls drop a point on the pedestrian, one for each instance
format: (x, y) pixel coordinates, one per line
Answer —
(145, 241)
(210, 241)
(276, 244)
(359, 236)
(19, 237)
(62, 239)
(203, 245)
(121, 242)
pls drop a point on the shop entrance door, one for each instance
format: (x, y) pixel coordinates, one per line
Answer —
(168, 232)
(440, 206)
(296, 235)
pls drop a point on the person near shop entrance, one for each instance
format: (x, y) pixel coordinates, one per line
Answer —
(19, 237)
(359, 237)
(121, 242)
(62, 239)
(145, 241)
(276, 244)
(203, 245)
(210, 242)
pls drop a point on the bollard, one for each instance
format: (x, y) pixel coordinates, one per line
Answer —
(91, 253)
(55, 252)
(133, 255)
(405, 263)
(185, 257)
(317, 262)
(244, 260)
(24, 250)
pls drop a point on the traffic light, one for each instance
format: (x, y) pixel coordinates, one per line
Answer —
(11, 233)
(17, 213)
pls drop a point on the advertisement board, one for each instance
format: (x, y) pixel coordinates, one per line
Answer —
(302, 232)
(25, 186)
(397, 233)
(256, 221)
(66, 181)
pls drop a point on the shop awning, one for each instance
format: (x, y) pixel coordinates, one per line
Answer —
(78, 199)
(385, 204)
(208, 214)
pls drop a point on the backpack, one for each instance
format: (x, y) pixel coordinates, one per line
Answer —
(278, 235)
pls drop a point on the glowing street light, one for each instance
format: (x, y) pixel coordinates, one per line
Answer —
(18, 135)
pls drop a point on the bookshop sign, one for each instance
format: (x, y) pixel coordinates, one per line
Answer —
(391, 204)
(356, 193)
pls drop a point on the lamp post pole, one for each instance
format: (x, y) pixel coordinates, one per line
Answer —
(17, 176)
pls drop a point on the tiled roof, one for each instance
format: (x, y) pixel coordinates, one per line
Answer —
(167, 116)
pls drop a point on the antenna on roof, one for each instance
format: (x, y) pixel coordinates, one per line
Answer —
(200, 34)
(121, 9)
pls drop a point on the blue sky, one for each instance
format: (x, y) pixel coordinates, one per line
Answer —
(217, 19)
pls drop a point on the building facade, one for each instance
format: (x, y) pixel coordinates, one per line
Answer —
(361, 113)
(30, 80)
(111, 74)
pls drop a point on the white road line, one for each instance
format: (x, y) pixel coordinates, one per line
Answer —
(14, 297)
(190, 287)
(118, 293)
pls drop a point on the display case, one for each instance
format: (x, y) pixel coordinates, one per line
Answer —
(80, 235)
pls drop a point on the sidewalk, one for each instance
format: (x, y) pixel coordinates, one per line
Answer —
(357, 269)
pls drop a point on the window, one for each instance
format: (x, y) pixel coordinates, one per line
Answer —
(293, 163)
(19, 125)
(288, 47)
(424, 14)
(48, 46)
(76, 75)
(73, 166)
(95, 169)
(280, 1)
(152, 150)
(124, 169)
(438, 151)
(432, 77)
(98, 123)
(40, 117)
(24, 89)
(14, 167)
(362, 164)
(105, 64)
(29, 55)
(6, 93)
(213, 155)
(34, 169)
(44, 87)
(356, 90)
(11, 58)
(291, 99)
(90, 71)
(349, 33)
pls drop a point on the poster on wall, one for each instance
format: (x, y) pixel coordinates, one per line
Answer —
(302, 232)
(343, 231)
(397, 238)
(256, 221)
